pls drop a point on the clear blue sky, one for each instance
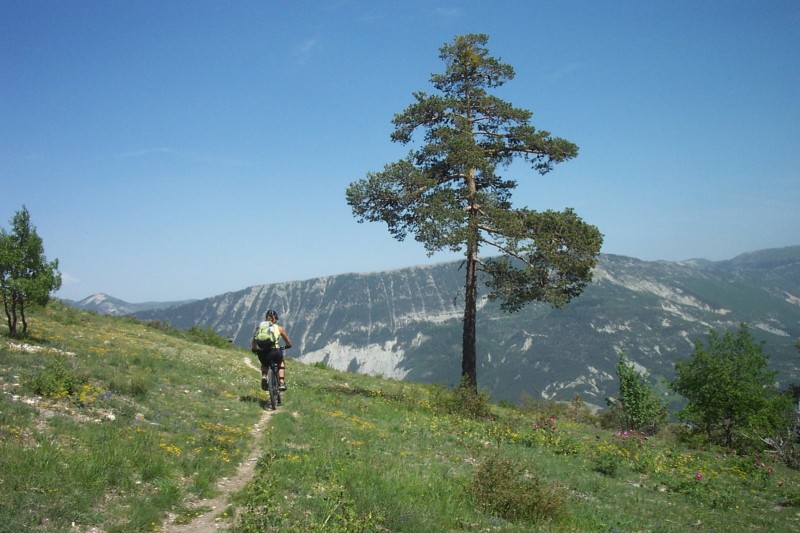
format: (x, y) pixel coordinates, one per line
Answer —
(170, 150)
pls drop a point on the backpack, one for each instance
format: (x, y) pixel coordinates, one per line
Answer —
(267, 335)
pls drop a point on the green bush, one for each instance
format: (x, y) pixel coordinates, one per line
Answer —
(67, 315)
(462, 400)
(545, 432)
(158, 325)
(54, 380)
(607, 462)
(545, 409)
(206, 335)
(792, 497)
(516, 493)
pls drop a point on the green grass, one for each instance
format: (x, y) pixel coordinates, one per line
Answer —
(115, 424)
(353, 453)
(110, 423)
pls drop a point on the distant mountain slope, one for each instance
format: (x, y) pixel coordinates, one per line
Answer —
(108, 305)
(406, 323)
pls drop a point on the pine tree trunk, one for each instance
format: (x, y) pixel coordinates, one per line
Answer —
(469, 371)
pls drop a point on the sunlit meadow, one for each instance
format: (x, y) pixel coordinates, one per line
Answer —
(113, 424)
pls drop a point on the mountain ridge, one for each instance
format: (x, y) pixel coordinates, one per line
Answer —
(108, 305)
(406, 323)
(787, 254)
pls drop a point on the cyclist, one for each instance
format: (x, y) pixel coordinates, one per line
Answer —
(266, 346)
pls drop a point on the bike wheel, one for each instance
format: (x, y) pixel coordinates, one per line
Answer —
(276, 383)
(273, 388)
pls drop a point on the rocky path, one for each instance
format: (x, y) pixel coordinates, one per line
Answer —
(210, 521)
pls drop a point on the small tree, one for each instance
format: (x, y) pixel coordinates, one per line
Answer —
(26, 278)
(637, 407)
(450, 195)
(731, 395)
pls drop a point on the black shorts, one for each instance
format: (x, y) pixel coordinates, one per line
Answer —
(267, 356)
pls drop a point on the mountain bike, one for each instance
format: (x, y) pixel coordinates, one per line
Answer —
(272, 382)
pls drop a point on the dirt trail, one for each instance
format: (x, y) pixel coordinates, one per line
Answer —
(210, 521)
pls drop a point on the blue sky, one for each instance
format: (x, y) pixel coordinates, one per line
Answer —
(182, 149)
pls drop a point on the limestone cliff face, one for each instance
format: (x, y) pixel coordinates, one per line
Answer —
(406, 323)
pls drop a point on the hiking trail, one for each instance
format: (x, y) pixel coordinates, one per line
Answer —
(211, 521)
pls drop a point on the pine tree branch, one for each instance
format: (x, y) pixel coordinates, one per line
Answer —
(505, 250)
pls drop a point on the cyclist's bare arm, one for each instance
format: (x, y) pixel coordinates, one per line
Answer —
(286, 341)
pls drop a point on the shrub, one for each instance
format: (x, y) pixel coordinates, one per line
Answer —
(206, 335)
(55, 380)
(67, 315)
(513, 492)
(462, 400)
(159, 325)
(607, 461)
(544, 408)
(792, 497)
(545, 432)
(578, 410)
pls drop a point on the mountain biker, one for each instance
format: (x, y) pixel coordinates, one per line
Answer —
(266, 345)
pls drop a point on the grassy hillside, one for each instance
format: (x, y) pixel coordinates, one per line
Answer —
(109, 424)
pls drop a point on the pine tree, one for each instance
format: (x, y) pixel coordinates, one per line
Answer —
(449, 195)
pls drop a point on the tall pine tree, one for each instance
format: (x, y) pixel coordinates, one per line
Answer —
(449, 195)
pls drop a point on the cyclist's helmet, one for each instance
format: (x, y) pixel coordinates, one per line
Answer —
(272, 314)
